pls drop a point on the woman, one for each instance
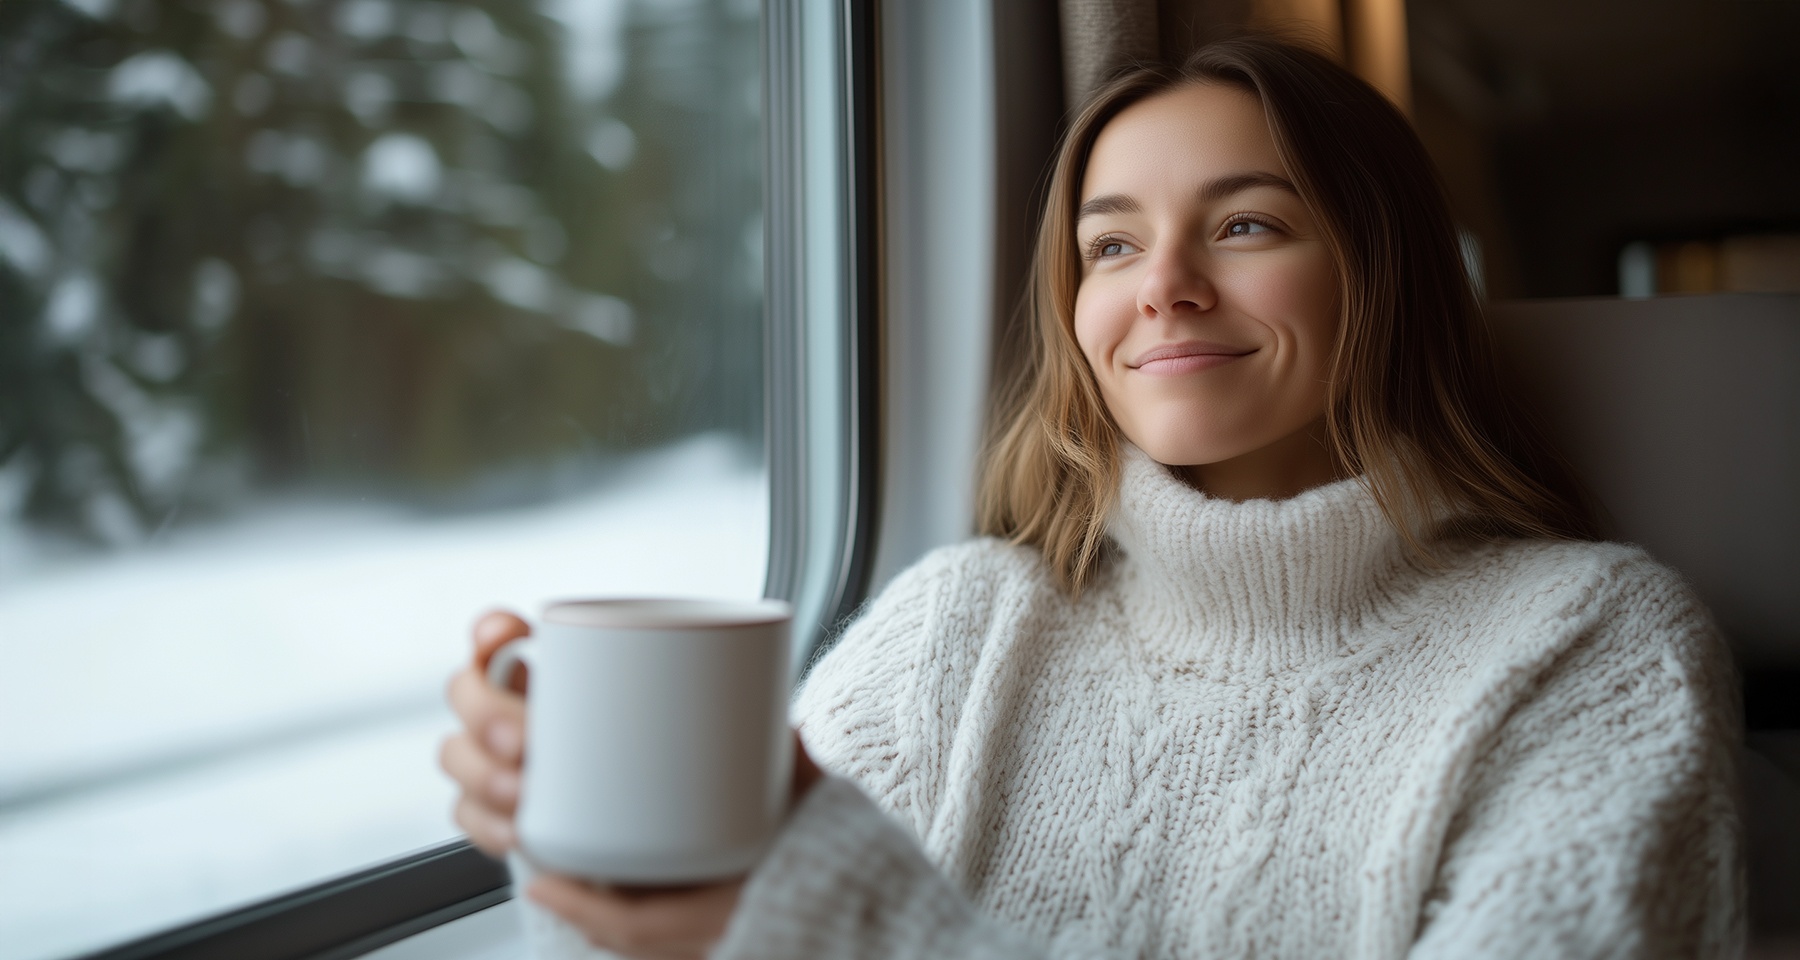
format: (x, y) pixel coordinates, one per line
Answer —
(1286, 639)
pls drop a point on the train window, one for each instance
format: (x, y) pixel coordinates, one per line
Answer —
(327, 324)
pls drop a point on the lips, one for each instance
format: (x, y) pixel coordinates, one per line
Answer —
(1187, 356)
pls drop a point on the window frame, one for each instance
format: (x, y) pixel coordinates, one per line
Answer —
(823, 444)
(339, 918)
(822, 311)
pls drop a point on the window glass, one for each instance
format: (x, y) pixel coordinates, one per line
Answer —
(325, 326)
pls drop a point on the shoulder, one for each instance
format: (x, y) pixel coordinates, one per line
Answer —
(1590, 620)
(958, 583)
(1581, 584)
(984, 564)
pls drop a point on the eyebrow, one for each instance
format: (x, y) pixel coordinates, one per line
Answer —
(1105, 204)
(1211, 191)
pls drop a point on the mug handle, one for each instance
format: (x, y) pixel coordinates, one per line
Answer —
(506, 660)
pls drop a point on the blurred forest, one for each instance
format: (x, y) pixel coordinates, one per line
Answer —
(452, 254)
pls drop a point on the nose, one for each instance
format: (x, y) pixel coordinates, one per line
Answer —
(1175, 284)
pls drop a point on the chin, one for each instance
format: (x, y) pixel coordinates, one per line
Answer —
(1181, 448)
(1192, 431)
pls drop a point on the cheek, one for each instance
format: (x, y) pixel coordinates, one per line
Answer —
(1095, 328)
(1317, 302)
(1298, 300)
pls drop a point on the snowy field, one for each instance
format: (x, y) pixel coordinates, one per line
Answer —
(250, 709)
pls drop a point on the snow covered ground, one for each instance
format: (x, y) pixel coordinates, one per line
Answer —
(250, 709)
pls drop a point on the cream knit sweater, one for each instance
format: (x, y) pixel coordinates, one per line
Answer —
(1264, 733)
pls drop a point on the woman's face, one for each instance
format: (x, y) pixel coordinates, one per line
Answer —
(1208, 298)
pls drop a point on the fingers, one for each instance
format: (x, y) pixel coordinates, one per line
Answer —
(492, 631)
(660, 924)
(484, 759)
(490, 793)
(487, 830)
(496, 717)
(493, 784)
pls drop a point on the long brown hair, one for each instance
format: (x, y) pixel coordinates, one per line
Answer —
(1414, 404)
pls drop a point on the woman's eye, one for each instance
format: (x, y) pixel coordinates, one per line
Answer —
(1246, 228)
(1108, 247)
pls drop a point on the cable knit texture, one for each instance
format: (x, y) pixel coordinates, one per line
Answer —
(1265, 732)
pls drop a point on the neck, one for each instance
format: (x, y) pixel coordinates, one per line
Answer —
(1281, 470)
(1264, 585)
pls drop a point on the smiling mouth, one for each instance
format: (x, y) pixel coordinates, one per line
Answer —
(1187, 357)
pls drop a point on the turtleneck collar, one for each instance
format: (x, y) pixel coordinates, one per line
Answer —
(1259, 586)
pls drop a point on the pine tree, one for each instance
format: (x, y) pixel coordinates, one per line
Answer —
(390, 247)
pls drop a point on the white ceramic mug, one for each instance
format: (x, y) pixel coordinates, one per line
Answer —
(657, 744)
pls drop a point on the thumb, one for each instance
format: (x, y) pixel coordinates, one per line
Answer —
(494, 630)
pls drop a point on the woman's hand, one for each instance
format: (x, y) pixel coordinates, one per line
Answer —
(664, 923)
(657, 923)
(483, 758)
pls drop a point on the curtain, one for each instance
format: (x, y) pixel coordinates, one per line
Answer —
(1101, 36)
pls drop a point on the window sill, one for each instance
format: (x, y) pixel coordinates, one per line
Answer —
(490, 934)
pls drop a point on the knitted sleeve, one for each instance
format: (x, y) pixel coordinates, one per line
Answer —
(848, 876)
(1601, 819)
(845, 880)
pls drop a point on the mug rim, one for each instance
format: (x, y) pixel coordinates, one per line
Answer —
(666, 613)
